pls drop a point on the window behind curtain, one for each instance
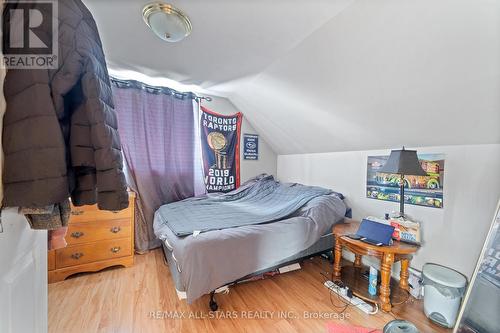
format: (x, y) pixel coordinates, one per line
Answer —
(159, 140)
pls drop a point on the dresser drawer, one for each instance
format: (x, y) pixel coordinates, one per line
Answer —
(91, 213)
(51, 260)
(92, 231)
(102, 250)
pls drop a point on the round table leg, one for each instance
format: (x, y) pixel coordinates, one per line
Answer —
(404, 275)
(338, 259)
(357, 260)
(385, 283)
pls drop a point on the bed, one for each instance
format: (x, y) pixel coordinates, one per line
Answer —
(203, 258)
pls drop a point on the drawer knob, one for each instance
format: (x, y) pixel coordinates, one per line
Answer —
(115, 230)
(77, 255)
(77, 234)
(76, 212)
(115, 211)
(115, 249)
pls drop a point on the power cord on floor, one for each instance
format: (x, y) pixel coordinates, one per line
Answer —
(342, 300)
(347, 304)
(405, 301)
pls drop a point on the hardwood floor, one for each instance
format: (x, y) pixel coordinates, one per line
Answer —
(140, 299)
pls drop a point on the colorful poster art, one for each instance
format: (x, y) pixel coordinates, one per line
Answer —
(419, 190)
(220, 147)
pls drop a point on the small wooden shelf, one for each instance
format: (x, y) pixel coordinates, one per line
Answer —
(353, 278)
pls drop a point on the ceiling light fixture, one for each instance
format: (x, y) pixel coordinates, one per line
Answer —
(166, 21)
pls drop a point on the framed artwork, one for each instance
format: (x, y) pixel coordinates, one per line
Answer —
(419, 190)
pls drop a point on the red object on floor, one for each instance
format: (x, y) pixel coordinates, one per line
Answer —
(336, 328)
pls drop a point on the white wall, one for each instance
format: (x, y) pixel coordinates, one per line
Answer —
(23, 262)
(267, 157)
(376, 64)
(452, 236)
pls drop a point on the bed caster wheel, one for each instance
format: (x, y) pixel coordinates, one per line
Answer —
(213, 305)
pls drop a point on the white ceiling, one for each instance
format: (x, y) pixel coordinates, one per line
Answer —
(231, 39)
(317, 76)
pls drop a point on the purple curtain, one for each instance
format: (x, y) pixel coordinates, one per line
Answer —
(157, 132)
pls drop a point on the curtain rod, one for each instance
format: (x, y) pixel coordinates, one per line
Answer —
(124, 83)
(200, 98)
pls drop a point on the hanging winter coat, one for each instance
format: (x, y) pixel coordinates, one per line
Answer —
(60, 134)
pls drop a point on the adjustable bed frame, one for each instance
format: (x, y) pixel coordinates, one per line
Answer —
(323, 246)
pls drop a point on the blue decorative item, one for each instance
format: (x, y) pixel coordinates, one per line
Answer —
(250, 146)
(372, 285)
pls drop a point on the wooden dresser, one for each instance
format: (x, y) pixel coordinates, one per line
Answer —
(96, 239)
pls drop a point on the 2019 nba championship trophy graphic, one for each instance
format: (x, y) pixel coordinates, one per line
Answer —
(217, 142)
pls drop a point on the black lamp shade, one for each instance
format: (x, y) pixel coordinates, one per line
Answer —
(403, 162)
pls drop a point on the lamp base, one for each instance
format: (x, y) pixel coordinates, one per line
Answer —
(399, 215)
(402, 196)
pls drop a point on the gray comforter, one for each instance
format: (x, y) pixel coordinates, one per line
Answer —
(214, 258)
(262, 201)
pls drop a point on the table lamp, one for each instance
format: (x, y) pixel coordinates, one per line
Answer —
(403, 162)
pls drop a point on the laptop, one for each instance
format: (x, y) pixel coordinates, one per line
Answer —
(374, 233)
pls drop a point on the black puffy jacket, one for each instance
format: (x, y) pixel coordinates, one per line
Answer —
(60, 134)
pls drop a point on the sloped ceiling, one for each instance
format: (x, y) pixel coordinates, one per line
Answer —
(320, 76)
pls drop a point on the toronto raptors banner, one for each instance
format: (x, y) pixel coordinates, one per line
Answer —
(220, 146)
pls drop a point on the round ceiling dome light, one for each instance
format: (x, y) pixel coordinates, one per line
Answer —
(166, 21)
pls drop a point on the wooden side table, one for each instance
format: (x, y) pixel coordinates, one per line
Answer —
(388, 255)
